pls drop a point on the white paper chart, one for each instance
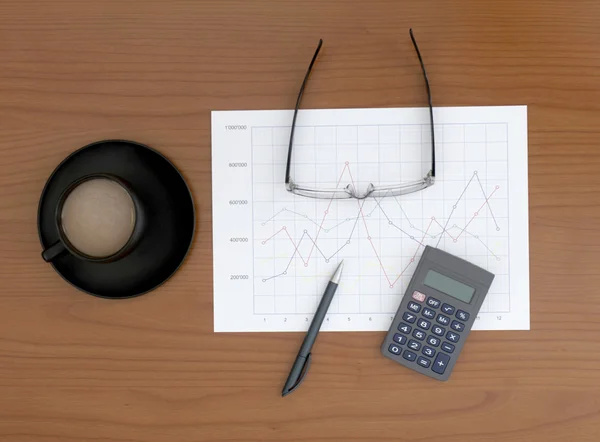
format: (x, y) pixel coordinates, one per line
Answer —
(274, 251)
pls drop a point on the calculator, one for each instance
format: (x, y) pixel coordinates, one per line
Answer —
(436, 314)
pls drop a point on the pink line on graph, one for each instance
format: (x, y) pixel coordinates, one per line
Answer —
(368, 234)
(415, 254)
(444, 230)
(476, 213)
(326, 212)
(296, 247)
(264, 241)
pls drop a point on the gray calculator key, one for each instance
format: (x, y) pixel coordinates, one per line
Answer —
(448, 309)
(463, 316)
(444, 320)
(424, 324)
(458, 326)
(428, 313)
(409, 355)
(409, 317)
(423, 362)
(432, 302)
(395, 349)
(414, 345)
(447, 347)
(400, 339)
(440, 363)
(452, 337)
(413, 306)
(437, 330)
(404, 328)
(428, 351)
(420, 335)
(433, 341)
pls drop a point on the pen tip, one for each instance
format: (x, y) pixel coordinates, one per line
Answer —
(338, 273)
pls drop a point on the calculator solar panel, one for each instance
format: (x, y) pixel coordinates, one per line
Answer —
(436, 314)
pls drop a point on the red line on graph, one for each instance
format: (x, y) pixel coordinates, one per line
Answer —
(264, 241)
(476, 213)
(443, 229)
(415, 254)
(368, 234)
(326, 212)
(296, 247)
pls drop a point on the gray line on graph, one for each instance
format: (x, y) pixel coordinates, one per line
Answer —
(313, 241)
(454, 207)
(265, 222)
(479, 239)
(412, 226)
(487, 203)
(325, 229)
(391, 223)
(286, 267)
(300, 214)
(350, 237)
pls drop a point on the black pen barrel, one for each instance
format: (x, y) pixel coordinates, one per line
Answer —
(315, 325)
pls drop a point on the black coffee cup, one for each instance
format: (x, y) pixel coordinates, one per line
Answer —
(63, 245)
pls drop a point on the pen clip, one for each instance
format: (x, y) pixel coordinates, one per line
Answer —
(302, 374)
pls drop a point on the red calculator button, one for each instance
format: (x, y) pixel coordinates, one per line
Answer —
(418, 296)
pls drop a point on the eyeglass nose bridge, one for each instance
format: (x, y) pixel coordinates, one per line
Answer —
(351, 190)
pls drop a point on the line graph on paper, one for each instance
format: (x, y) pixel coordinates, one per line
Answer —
(414, 236)
(296, 242)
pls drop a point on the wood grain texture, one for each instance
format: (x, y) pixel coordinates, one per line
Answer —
(76, 368)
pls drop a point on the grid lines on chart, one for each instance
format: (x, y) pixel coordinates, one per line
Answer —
(380, 239)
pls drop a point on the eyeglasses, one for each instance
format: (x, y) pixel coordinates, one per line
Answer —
(350, 191)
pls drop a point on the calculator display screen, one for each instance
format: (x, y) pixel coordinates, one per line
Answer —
(449, 286)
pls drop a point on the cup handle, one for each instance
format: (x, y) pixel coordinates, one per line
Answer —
(56, 249)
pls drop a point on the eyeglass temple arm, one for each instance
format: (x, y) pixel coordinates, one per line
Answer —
(414, 42)
(289, 157)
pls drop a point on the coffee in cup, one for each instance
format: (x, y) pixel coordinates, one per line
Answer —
(98, 218)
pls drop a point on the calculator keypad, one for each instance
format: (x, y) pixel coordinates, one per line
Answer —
(431, 342)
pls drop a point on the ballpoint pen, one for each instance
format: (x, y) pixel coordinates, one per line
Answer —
(302, 362)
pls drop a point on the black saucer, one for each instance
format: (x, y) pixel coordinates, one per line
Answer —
(171, 219)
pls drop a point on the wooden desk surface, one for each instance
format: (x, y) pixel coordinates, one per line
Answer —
(77, 368)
